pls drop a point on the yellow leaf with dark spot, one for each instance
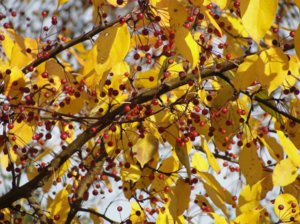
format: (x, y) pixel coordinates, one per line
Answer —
(13, 82)
(284, 173)
(137, 214)
(274, 148)
(250, 164)
(178, 14)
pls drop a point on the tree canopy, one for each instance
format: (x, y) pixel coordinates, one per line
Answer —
(150, 111)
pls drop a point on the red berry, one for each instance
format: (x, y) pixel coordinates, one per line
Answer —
(119, 208)
(127, 108)
(10, 126)
(140, 16)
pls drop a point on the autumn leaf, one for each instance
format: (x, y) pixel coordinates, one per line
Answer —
(285, 173)
(210, 157)
(250, 164)
(180, 197)
(289, 148)
(145, 148)
(187, 46)
(286, 207)
(249, 198)
(59, 206)
(253, 11)
(199, 162)
(182, 153)
(110, 48)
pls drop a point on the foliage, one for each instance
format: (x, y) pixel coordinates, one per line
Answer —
(187, 111)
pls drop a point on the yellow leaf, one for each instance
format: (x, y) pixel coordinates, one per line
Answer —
(170, 165)
(285, 173)
(145, 148)
(249, 198)
(289, 148)
(13, 82)
(211, 159)
(294, 68)
(180, 198)
(7, 44)
(110, 48)
(199, 162)
(74, 105)
(273, 147)
(178, 14)
(251, 217)
(187, 46)
(55, 71)
(252, 12)
(132, 173)
(297, 40)
(246, 72)
(223, 97)
(147, 79)
(211, 181)
(275, 68)
(219, 219)
(60, 206)
(250, 164)
(164, 217)
(183, 155)
(283, 206)
(23, 132)
(137, 214)
(216, 198)
(270, 68)
(15, 47)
